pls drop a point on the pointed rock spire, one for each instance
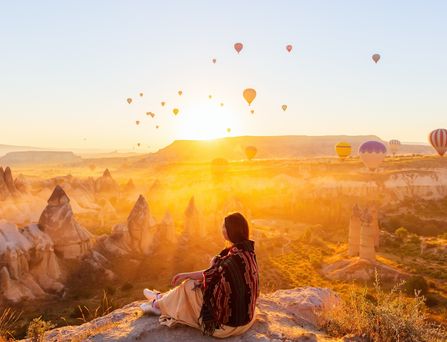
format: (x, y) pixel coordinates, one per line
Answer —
(9, 181)
(139, 223)
(58, 197)
(107, 173)
(71, 240)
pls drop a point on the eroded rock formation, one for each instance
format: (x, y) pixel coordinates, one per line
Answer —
(71, 240)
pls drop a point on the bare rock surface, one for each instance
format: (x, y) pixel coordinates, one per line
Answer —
(285, 315)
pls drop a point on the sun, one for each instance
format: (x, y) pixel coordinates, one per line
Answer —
(205, 123)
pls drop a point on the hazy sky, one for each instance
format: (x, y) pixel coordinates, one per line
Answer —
(67, 67)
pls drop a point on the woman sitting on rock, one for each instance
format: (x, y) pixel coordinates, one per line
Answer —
(221, 300)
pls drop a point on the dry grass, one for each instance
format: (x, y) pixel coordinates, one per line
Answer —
(8, 318)
(385, 317)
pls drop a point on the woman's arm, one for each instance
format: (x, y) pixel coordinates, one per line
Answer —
(178, 278)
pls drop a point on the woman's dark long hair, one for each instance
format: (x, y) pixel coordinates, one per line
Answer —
(237, 228)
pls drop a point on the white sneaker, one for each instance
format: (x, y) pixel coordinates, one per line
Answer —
(147, 308)
(151, 295)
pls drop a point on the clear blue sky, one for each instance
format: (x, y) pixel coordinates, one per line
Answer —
(67, 67)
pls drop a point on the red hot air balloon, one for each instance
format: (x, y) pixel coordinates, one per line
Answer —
(289, 48)
(214, 61)
(238, 47)
(376, 57)
(438, 139)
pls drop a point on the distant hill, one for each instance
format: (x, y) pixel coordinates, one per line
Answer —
(269, 147)
(4, 149)
(39, 157)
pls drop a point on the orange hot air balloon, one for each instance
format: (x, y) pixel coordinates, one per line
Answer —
(250, 152)
(129, 100)
(175, 111)
(137, 122)
(249, 95)
(163, 103)
(252, 111)
(141, 94)
(180, 93)
(284, 107)
(150, 114)
(228, 130)
(214, 61)
(289, 48)
(238, 47)
(376, 57)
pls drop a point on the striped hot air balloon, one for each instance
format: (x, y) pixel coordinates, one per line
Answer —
(438, 139)
(372, 154)
(394, 145)
(343, 149)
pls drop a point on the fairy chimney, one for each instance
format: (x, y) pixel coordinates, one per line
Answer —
(71, 240)
(193, 226)
(375, 226)
(354, 232)
(139, 225)
(366, 250)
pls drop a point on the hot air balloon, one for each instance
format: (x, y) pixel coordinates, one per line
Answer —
(252, 111)
(180, 93)
(175, 111)
(221, 104)
(163, 103)
(376, 57)
(238, 47)
(249, 95)
(150, 114)
(438, 139)
(210, 96)
(372, 154)
(129, 100)
(228, 130)
(141, 94)
(138, 144)
(137, 122)
(157, 127)
(250, 152)
(214, 61)
(289, 48)
(284, 107)
(343, 149)
(394, 146)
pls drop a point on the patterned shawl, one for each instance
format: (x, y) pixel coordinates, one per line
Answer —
(230, 288)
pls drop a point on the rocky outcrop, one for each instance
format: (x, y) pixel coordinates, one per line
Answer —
(285, 315)
(354, 232)
(135, 237)
(139, 225)
(71, 240)
(357, 269)
(193, 225)
(7, 187)
(106, 183)
(367, 237)
(28, 265)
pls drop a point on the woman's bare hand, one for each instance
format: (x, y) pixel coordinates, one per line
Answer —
(178, 278)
